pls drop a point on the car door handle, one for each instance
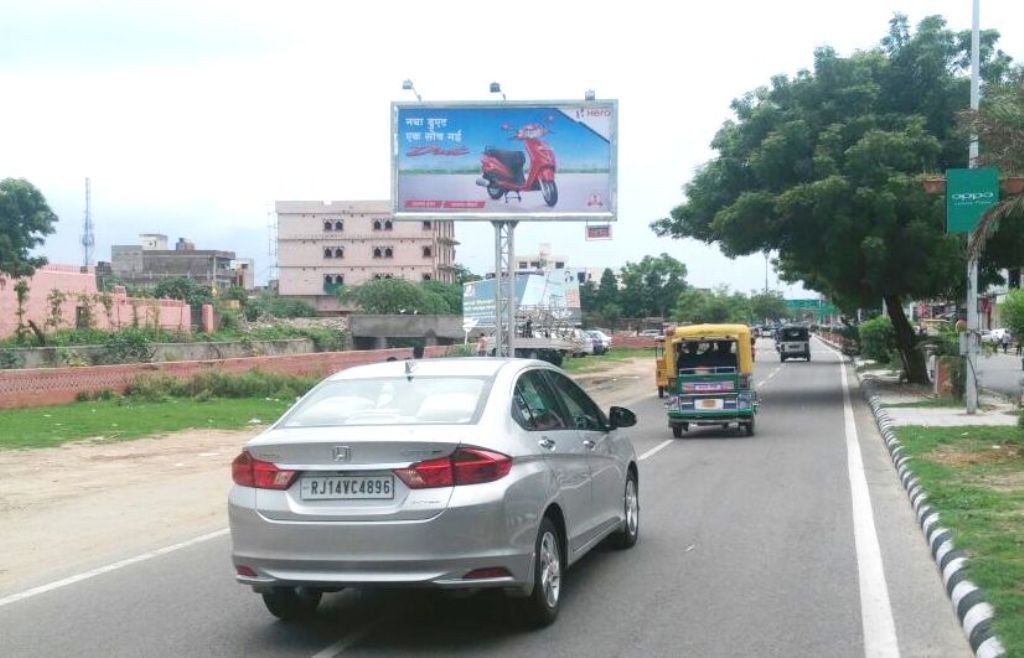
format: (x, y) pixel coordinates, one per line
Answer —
(546, 443)
(588, 444)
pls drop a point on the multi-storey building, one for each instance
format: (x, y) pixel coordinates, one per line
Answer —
(150, 262)
(324, 246)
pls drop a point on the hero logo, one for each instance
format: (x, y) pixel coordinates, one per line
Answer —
(974, 196)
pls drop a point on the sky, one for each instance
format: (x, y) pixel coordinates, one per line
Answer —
(192, 117)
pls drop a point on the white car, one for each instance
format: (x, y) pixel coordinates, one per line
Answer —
(602, 341)
(447, 473)
(650, 333)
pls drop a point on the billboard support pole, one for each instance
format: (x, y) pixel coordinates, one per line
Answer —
(973, 329)
(504, 287)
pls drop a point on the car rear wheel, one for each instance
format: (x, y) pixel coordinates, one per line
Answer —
(541, 607)
(292, 603)
(626, 538)
(677, 431)
(750, 427)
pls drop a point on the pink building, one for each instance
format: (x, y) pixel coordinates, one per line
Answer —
(79, 293)
(324, 246)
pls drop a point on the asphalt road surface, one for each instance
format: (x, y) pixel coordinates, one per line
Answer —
(781, 544)
(1001, 372)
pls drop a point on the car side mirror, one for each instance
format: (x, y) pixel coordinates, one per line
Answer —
(621, 417)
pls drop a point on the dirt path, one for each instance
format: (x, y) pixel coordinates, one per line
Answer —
(88, 503)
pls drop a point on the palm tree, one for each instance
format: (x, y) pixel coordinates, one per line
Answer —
(999, 126)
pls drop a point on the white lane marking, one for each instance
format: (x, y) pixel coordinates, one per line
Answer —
(71, 580)
(875, 610)
(349, 640)
(655, 449)
(770, 375)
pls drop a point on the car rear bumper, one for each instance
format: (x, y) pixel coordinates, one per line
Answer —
(480, 529)
(710, 417)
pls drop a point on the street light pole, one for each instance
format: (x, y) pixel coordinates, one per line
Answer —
(973, 328)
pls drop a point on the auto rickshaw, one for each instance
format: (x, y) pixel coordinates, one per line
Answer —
(660, 370)
(713, 384)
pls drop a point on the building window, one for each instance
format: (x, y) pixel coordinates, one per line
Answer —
(535, 265)
(427, 225)
(388, 252)
(388, 276)
(339, 252)
(377, 252)
(559, 265)
(427, 252)
(328, 253)
(378, 277)
(388, 225)
(339, 226)
(426, 276)
(327, 226)
(522, 264)
(376, 225)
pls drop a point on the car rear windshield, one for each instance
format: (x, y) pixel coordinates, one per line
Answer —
(794, 334)
(392, 401)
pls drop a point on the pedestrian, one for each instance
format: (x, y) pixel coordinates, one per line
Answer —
(1006, 342)
(481, 345)
(529, 328)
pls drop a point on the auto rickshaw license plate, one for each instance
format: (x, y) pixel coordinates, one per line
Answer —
(709, 404)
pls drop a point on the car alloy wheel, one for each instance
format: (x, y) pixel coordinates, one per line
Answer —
(550, 569)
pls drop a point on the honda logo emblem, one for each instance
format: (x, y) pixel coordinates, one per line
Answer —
(341, 453)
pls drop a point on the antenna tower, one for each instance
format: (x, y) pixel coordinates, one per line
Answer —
(88, 239)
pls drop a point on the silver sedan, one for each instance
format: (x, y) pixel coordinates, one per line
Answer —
(451, 473)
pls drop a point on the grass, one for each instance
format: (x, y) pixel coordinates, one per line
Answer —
(927, 403)
(974, 477)
(607, 360)
(121, 419)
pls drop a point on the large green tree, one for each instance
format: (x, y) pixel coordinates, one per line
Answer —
(396, 296)
(767, 306)
(696, 306)
(25, 220)
(650, 287)
(823, 168)
(184, 288)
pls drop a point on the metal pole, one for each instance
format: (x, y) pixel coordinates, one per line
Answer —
(504, 288)
(499, 302)
(510, 257)
(971, 387)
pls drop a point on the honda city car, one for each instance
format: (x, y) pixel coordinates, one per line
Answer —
(445, 473)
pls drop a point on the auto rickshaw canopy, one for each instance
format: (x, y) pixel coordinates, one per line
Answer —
(711, 333)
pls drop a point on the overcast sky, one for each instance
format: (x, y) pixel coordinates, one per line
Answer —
(192, 118)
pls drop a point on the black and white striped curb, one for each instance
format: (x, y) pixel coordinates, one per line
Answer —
(974, 613)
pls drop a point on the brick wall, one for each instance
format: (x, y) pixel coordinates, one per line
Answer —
(46, 386)
(633, 342)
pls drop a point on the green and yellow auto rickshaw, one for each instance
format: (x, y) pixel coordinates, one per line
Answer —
(713, 384)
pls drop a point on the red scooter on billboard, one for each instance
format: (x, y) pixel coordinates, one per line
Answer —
(502, 171)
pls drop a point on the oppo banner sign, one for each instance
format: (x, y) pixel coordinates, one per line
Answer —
(969, 193)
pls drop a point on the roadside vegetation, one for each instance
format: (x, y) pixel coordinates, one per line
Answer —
(608, 360)
(974, 477)
(154, 405)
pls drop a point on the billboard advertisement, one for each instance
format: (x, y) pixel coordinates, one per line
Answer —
(550, 297)
(507, 160)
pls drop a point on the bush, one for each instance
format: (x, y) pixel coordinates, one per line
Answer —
(877, 339)
(129, 346)
(277, 307)
(218, 384)
(11, 360)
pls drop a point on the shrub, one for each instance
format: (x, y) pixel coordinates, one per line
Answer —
(877, 339)
(11, 360)
(218, 384)
(129, 346)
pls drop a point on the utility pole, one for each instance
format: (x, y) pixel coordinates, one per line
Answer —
(971, 388)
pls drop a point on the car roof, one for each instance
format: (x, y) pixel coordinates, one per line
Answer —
(442, 367)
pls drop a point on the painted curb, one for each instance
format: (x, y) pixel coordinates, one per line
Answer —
(974, 613)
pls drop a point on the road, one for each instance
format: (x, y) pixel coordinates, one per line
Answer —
(1001, 372)
(752, 546)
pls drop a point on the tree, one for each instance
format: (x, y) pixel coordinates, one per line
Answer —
(1012, 313)
(651, 286)
(184, 288)
(25, 220)
(716, 306)
(767, 306)
(463, 275)
(449, 293)
(823, 168)
(394, 296)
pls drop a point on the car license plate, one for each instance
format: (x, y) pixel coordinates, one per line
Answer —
(347, 487)
(714, 403)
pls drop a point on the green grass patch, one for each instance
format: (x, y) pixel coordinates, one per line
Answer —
(927, 403)
(606, 361)
(125, 418)
(974, 477)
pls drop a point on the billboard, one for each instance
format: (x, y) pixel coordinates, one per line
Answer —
(969, 193)
(550, 297)
(599, 232)
(507, 160)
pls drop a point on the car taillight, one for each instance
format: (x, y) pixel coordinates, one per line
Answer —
(464, 466)
(247, 471)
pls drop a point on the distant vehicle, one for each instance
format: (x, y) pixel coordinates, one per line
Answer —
(650, 333)
(602, 341)
(448, 473)
(997, 336)
(584, 344)
(793, 342)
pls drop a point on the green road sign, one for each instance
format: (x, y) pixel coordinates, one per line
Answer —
(969, 193)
